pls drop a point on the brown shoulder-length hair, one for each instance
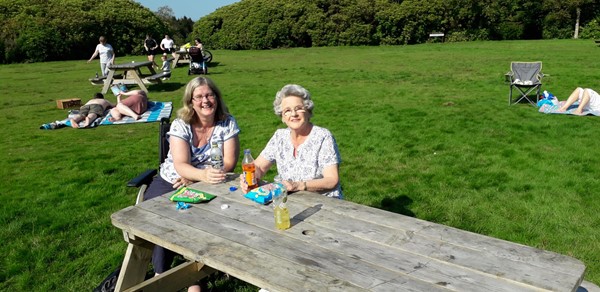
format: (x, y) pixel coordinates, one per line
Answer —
(187, 113)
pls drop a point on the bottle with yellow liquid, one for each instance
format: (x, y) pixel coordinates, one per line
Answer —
(282, 215)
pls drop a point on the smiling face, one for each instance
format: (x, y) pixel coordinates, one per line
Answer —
(204, 101)
(293, 112)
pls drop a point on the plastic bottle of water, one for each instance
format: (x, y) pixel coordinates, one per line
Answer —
(249, 169)
(216, 155)
(281, 212)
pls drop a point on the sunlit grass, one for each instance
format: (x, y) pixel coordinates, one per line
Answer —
(424, 131)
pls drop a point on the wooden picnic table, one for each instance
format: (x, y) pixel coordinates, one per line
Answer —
(332, 245)
(181, 57)
(131, 73)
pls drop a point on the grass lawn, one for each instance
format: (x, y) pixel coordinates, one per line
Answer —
(423, 130)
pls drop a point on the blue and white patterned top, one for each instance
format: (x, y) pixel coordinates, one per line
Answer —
(200, 157)
(318, 151)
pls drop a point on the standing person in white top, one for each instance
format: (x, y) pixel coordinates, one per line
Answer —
(107, 55)
(168, 45)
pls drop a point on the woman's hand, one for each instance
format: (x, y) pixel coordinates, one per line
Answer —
(214, 176)
(181, 182)
(243, 184)
(291, 186)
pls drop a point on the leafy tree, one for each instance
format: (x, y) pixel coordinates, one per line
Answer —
(562, 16)
(591, 30)
(39, 30)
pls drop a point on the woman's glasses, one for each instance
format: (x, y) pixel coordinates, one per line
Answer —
(289, 112)
(209, 96)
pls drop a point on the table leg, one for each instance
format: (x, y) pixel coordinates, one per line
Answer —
(152, 72)
(135, 266)
(177, 56)
(139, 81)
(108, 81)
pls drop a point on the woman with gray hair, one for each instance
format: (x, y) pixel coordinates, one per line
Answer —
(306, 155)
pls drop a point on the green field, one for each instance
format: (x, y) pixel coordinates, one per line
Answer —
(423, 130)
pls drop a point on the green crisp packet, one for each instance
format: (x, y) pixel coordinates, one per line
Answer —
(188, 195)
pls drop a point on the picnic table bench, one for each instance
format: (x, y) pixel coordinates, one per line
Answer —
(157, 76)
(130, 73)
(437, 35)
(332, 245)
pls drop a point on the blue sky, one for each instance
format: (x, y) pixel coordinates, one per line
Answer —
(193, 9)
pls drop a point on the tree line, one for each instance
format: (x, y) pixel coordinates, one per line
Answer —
(48, 30)
(265, 24)
(51, 30)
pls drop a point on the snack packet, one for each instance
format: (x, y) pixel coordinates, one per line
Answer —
(263, 194)
(188, 195)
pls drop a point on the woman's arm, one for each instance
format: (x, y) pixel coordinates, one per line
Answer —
(262, 166)
(329, 181)
(128, 93)
(112, 60)
(93, 55)
(231, 152)
(180, 150)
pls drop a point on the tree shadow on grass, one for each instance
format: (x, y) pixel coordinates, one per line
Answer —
(398, 204)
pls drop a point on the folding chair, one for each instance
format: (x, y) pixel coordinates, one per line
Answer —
(143, 180)
(526, 77)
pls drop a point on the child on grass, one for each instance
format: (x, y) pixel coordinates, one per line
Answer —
(166, 66)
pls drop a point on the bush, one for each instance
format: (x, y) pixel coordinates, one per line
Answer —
(465, 36)
(591, 30)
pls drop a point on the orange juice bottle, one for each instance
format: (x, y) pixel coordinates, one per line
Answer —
(249, 170)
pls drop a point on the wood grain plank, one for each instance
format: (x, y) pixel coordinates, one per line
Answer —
(357, 244)
(407, 262)
(409, 226)
(249, 265)
(219, 223)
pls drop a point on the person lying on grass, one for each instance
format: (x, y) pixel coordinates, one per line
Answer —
(588, 99)
(134, 105)
(90, 111)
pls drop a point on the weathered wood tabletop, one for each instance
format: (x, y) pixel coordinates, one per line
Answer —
(333, 245)
(132, 74)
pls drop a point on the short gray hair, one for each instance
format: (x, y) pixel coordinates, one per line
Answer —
(292, 90)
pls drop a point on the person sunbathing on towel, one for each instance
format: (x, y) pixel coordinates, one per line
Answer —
(90, 111)
(134, 105)
(587, 98)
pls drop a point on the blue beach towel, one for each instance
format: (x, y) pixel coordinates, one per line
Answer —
(553, 109)
(156, 111)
